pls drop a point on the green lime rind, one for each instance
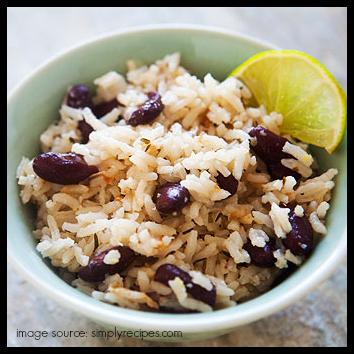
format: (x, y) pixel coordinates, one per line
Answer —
(290, 82)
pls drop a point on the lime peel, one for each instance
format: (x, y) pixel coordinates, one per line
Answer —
(298, 86)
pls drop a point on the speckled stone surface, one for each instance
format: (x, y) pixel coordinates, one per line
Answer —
(35, 34)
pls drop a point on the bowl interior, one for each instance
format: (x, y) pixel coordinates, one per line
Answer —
(34, 105)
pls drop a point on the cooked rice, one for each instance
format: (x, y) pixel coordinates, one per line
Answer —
(322, 210)
(112, 257)
(317, 224)
(299, 211)
(202, 131)
(298, 153)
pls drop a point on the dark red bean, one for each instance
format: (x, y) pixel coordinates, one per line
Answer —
(85, 130)
(228, 183)
(59, 168)
(99, 111)
(96, 269)
(105, 107)
(167, 272)
(171, 197)
(79, 97)
(261, 256)
(148, 111)
(277, 170)
(269, 146)
(300, 239)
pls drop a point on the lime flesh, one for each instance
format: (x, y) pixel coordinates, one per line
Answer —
(299, 87)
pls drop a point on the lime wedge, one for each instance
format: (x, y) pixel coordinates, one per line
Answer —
(293, 83)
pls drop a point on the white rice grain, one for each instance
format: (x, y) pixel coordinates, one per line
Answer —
(112, 257)
(258, 237)
(298, 153)
(322, 209)
(316, 224)
(280, 220)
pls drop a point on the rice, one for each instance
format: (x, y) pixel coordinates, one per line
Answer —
(292, 258)
(280, 220)
(234, 246)
(112, 257)
(281, 260)
(317, 224)
(298, 153)
(202, 132)
(110, 85)
(299, 211)
(322, 210)
(258, 237)
(179, 290)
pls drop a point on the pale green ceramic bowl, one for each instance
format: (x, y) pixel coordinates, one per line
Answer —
(34, 104)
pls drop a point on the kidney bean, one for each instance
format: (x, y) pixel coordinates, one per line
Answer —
(79, 97)
(99, 111)
(85, 130)
(60, 168)
(277, 170)
(97, 269)
(269, 146)
(171, 197)
(103, 108)
(167, 272)
(261, 256)
(148, 111)
(228, 183)
(300, 239)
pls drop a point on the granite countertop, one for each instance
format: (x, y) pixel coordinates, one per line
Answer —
(35, 34)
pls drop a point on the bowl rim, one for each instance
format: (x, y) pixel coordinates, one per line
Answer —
(131, 30)
(188, 323)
